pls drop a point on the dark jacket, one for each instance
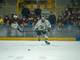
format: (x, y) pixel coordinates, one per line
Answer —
(25, 12)
(52, 19)
(5, 20)
(38, 12)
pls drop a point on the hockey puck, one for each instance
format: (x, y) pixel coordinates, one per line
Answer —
(28, 49)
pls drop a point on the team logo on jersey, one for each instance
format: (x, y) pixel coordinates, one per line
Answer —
(45, 22)
(41, 26)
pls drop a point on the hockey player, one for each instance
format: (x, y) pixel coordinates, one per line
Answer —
(14, 25)
(43, 26)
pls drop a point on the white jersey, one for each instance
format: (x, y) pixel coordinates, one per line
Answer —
(14, 25)
(41, 25)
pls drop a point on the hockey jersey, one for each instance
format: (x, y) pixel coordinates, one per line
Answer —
(41, 25)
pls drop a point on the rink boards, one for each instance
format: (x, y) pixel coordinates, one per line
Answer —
(35, 38)
(68, 33)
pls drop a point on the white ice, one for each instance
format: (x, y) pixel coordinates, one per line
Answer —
(58, 50)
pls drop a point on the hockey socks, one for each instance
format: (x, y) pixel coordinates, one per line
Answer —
(38, 37)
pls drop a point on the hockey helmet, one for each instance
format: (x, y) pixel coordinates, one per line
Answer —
(15, 16)
(43, 19)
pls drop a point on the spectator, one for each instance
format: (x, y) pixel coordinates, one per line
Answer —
(6, 20)
(25, 12)
(67, 15)
(67, 18)
(66, 12)
(52, 18)
(1, 21)
(24, 22)
(78, 3)
(60, 21)
(74, 2)
(74, 19)
(16, 19)
(38, 11)
(69, 8)
(78, 18)
(78, 15)
(32, 17)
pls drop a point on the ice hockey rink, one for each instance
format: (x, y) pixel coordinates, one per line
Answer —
(38, 50)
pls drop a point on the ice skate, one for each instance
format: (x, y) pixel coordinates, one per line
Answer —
(46, 41)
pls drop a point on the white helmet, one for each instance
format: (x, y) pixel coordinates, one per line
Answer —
(43, 19)
(15, 16)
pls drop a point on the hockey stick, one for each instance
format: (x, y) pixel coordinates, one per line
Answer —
(25, 31)
(29, 30)
(19, 30)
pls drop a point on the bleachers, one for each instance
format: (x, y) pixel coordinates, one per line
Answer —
(49, 1)
(21, 1)
(34, 6)
(49, 6)
(42, 6)
(29, 6)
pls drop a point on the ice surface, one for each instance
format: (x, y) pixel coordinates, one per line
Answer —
(58, 50)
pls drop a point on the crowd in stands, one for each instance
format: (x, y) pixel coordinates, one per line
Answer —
(75, 2)
(31, 17)
(69, 16)
(28, 17)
